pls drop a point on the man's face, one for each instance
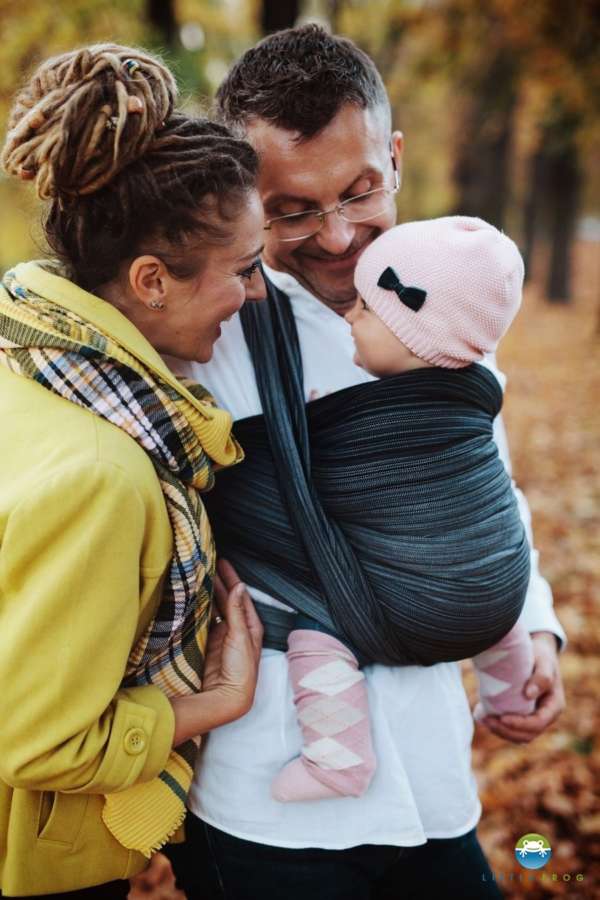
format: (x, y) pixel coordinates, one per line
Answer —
(349, 157)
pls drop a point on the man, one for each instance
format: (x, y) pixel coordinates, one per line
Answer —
(315, 108)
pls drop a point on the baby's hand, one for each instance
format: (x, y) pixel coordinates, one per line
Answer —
(315, 394)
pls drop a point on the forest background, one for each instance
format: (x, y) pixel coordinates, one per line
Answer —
(499, 103)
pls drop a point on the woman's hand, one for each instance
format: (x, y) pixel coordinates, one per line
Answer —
(157, 882)
(234, 644)
(231, 662)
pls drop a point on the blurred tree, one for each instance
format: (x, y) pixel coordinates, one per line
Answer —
(564, 193)
(277, 14)
(161, 16)
(555, 49)
(484, 133)
(553, 197)
(32, 31)
(336, 8)
(564, 67)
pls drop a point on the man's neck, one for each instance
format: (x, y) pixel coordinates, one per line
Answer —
(285, 280)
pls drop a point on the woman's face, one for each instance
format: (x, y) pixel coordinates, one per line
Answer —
(188, 324)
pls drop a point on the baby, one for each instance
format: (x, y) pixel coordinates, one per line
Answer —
(438, 293)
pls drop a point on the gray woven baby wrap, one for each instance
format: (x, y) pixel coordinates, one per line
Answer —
(382, 511)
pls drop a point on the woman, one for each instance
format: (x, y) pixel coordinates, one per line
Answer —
(106, 556)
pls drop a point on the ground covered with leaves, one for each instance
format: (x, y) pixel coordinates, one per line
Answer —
(552, 412)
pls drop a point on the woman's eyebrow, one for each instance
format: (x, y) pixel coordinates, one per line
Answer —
(252, 255)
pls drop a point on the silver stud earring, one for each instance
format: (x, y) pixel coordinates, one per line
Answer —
(156, 304)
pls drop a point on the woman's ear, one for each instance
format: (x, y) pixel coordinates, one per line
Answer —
(148, 279)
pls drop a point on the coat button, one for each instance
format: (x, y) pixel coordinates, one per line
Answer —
(135, 741)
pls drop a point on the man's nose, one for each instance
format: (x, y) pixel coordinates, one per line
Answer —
(256, 289)
(336, 235)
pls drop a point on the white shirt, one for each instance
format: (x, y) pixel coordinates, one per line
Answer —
(422, 726)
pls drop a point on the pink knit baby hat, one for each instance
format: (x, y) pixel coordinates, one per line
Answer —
(452, 287)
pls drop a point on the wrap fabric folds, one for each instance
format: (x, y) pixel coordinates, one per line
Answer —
(382, 511)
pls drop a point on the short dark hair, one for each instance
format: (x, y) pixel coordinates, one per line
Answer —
(298, 79)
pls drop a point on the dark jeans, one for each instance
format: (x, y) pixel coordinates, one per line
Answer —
(115, 890)
(212, 865)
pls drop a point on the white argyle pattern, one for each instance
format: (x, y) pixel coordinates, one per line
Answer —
(332, 678)
(328, 716)
(490, 658)
(490, 686)
(328, 754)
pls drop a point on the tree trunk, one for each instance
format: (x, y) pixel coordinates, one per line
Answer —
(564, 189)
(484, 137)
(161, 16)
(553, 200)
(335, 9)
(533, 207)
(278, 14)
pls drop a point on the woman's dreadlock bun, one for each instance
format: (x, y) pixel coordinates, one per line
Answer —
(84, 116)
(123, 170)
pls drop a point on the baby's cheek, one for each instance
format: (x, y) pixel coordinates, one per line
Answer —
(363, 331)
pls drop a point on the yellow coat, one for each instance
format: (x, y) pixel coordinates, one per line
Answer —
(85, 542)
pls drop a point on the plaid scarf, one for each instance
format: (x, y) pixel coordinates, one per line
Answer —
(184, 435)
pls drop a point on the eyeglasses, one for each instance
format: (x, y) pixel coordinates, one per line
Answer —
(302, 225)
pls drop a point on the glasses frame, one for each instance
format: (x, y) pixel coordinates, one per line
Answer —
(338, 208)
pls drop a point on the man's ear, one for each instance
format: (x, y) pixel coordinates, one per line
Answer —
(148, 279)
(397, 150)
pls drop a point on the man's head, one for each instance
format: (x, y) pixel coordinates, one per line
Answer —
(315, 108)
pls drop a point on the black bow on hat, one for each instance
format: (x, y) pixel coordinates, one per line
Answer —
(412, 297)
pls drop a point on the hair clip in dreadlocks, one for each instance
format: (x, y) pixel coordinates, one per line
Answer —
(111, 121)
(134, 105)
(36, 120)
(26, 174)
(131, 66)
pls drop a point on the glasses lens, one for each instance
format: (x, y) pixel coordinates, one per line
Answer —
(293, 228)
(366, 206)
